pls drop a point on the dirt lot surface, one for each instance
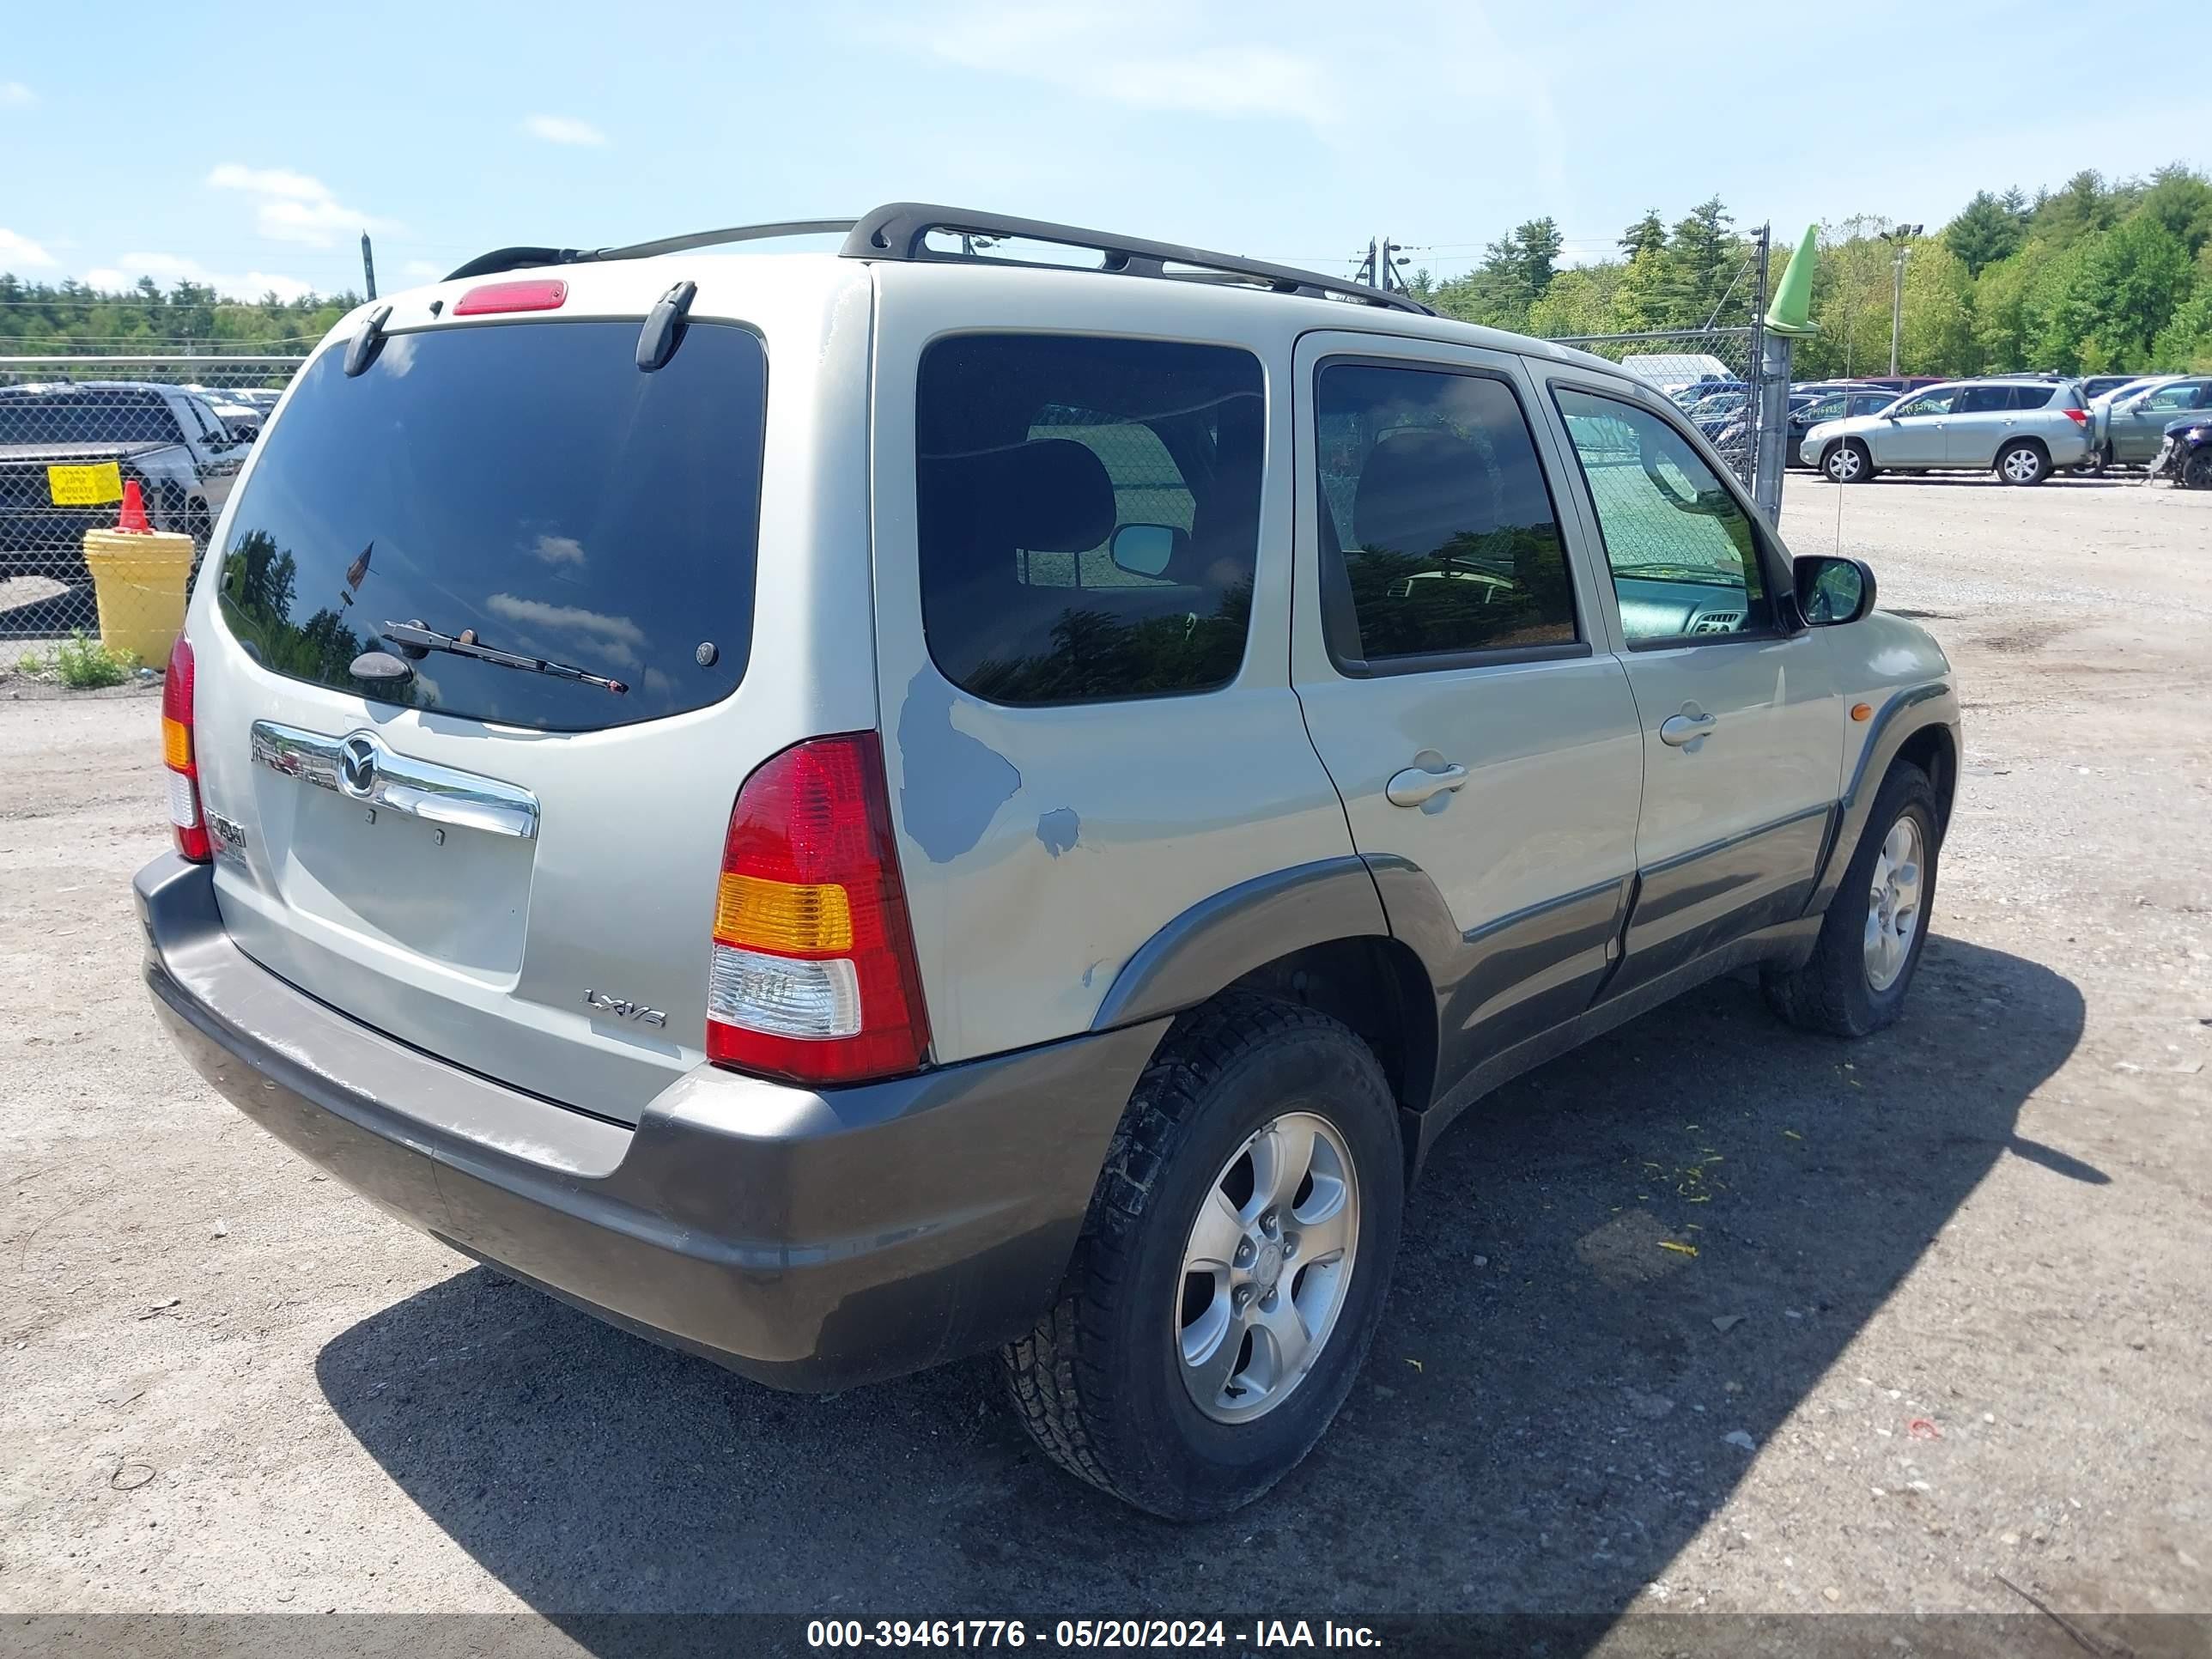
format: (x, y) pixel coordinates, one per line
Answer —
(1966, 1267)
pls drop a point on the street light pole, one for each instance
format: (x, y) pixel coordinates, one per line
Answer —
(1899, 239)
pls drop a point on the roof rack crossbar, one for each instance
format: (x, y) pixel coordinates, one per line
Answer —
(900, 230)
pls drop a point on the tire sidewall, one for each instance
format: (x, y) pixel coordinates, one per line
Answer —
(1211, 1466)
(1829, 462)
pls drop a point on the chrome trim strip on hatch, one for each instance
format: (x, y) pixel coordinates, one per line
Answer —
(361, 766)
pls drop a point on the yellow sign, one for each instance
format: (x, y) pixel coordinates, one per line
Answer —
(85, 486)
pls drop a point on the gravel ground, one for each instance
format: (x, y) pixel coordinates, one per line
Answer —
(1962, 1265)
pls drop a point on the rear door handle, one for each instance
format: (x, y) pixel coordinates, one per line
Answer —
(1417, 784)
(1679, 729)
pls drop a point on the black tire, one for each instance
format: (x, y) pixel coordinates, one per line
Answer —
(2098, 463)
(1847, 462)
(1099, 1382)
(2023, 462)
(2197, 471)
(1833, 992)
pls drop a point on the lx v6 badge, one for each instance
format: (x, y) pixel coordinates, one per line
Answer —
(621, 1008)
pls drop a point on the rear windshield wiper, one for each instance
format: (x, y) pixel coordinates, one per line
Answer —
(414, 637)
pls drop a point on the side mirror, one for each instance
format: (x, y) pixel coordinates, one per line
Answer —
(1147, 550)
(1832, 592)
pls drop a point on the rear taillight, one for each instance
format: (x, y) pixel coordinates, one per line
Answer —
(2079, 417)
(813, 975)
(176, 755)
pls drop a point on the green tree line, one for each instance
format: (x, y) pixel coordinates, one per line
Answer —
(39, 319)
(2095, 277)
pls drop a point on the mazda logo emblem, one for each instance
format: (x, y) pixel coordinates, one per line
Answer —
(357, 766)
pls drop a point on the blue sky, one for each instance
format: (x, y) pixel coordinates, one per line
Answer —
(138, 139)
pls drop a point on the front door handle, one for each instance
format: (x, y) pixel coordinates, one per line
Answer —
(1679, 729)
(1417, 784)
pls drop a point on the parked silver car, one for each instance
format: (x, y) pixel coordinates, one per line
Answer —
(2127, 425)
(2023, 428)
(1016, 831)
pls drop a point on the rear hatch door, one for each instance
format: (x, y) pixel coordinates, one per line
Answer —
(511, 868)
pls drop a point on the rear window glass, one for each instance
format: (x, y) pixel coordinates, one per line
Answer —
(525, 482)
(1088, 513)
(2032, 397)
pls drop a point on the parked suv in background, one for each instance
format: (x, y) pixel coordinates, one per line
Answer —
(2127, 427)
(2023, 427)
(1017, 830)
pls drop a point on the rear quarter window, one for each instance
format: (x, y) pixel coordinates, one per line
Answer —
(1087, 513)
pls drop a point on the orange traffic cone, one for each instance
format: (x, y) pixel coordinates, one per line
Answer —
(133, 518)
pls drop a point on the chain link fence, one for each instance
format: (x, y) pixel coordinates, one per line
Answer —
(1713, 374)
(77, 433)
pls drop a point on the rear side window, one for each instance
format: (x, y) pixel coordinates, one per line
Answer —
(1987, 399)
(2032, 397)
(525, 482)
(1088, 513)
(1438, 535)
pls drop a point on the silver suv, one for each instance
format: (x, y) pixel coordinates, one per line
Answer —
(848, 810)
(2023, 429)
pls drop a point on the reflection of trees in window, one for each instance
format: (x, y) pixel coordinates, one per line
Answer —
(258, 599)
(1096, 654)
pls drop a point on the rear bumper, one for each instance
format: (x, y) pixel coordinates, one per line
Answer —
(810, 1241)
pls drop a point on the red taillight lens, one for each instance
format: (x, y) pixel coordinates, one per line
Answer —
(2079, 417)
(546, 294)
(178, 756)
(813, 975)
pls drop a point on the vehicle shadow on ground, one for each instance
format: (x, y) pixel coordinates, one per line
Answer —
(1541, 1426)
(35, 609)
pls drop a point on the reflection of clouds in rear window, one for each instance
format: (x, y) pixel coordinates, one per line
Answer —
(397, 356)
(618, 635)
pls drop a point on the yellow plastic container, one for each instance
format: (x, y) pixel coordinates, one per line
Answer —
(139, 578)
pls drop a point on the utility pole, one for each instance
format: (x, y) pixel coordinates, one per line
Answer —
(1391, 283)
(1370, 271)
(367, 265)
(1899, 237)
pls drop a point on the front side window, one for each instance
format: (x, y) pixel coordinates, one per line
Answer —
(1438, 534)
(1088, 513)
(1683, 554)
(2176, 397)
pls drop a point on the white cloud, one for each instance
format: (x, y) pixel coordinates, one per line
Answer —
(170, 268)
(294, 207)
(560, 550)
(20, 252)
(13, 94)
(1440, 63)
(564, 130)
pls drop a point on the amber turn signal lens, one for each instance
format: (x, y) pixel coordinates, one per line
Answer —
(783, 915)
(1861, 711)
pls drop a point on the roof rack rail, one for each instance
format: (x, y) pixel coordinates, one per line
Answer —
(900, 230)
(518, 258)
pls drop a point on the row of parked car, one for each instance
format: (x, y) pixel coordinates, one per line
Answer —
(2023, 426)
(67, 449)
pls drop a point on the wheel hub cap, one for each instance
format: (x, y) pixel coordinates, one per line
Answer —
(1265, 1268)
(1894, 904)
